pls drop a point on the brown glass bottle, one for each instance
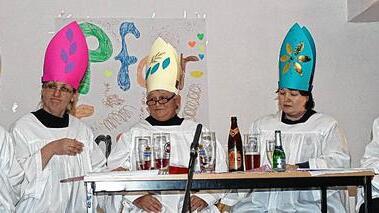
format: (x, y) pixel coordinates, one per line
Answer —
(235, 153)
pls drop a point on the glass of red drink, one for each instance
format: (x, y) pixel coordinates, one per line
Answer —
(177, 170)
(161, 143)
(145, 153)
(251, 151)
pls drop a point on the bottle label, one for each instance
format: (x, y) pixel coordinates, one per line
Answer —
(279, 160)
(280, 163)
(234, 132)
(281, 166)
(147, 154)
(235, 159)
(167, 150)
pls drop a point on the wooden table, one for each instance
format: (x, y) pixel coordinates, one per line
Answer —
(116, 182)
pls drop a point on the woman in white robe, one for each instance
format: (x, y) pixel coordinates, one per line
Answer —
(310, 139)
(11, 174)
(315, 143)
(41, 189)
(370, 160)
(50, 143)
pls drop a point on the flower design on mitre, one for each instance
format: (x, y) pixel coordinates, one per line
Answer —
(294, 58)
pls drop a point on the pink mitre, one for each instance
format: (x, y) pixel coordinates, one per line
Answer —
(66, 57)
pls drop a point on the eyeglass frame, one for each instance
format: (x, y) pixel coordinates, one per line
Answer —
(161, 100)
(52, 86)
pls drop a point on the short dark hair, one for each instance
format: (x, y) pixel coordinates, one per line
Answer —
(310, 104)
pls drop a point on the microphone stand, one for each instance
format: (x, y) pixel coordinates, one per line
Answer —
(191, 167)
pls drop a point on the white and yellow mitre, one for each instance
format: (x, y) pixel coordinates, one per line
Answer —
(163, 68)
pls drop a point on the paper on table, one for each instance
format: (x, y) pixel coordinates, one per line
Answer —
(120, 174)
(106, 175)
(323, 171)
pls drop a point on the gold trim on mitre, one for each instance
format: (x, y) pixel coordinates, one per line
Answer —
(163, 68)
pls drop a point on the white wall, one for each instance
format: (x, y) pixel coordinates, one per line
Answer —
(244, 41)
(363, 10)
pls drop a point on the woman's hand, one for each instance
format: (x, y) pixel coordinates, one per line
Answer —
(197, 203)
(119, 169)
(67, 146)
(64, 146)
(148, 203)
(290, 167)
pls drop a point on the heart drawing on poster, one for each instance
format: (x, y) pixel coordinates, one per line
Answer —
(201, 56)
(201, 48)
(192, 43)
(200, 36)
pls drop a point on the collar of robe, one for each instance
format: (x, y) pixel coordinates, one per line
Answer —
(303, 119)
(51, 121)
(174, 121)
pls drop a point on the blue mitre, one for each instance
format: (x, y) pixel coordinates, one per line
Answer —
(297, 59)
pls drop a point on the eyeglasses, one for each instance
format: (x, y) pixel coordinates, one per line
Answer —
(54, 87)
(161, 100)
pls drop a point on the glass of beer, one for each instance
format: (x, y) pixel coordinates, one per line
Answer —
(270, 147)
(251, 151)
(207, 152)
(145, 153)
(161, 143)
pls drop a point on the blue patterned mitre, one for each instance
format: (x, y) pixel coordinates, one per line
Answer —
(297, 59)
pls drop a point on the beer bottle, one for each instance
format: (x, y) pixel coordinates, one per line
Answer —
(278, 157)
(235, 153)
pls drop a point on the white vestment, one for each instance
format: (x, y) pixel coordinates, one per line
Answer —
(11, 174)
(41, 189)
(371, 160)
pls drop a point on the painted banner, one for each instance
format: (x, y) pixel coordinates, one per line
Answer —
(113, 91)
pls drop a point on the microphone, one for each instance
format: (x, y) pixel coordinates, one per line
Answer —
(191, 167)
(195, 142)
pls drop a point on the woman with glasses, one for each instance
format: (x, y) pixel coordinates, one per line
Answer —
(163, 102)
(50, 143)
(310, 139)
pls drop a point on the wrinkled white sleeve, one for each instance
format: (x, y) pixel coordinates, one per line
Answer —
(35, 177)
(10, 170)
(97, 158)
(371, 156)
(121, 153)
(335, 152)
(370, 160)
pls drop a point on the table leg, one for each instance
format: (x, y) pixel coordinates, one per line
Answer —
(90, 203)
(324, 206)
(368, 194)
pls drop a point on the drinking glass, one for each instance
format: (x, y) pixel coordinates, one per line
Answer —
(144, 150)
(207, 152)
(270, 147)
(251, 151)
(161, 143)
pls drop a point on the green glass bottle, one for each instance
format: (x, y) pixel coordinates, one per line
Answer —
(278, 157)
